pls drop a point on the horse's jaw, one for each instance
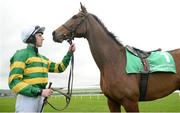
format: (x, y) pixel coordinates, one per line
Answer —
(58, 39)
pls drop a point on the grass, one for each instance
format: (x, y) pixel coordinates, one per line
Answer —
(170, 103)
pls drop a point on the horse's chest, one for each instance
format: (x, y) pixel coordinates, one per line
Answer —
(104, 85)
(110, 87)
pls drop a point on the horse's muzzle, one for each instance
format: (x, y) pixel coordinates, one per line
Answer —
(57, 37)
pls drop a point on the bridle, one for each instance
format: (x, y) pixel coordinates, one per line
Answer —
(72, 31)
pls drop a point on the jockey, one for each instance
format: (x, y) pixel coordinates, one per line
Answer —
(29, 71)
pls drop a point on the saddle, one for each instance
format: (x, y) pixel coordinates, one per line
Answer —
(140, 53)
(144, 74)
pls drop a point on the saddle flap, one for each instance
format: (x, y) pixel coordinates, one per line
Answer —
(157, 62)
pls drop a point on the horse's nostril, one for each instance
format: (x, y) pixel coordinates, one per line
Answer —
(53, 33)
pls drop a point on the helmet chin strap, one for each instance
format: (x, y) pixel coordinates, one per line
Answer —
(34, 41)
(35, 46)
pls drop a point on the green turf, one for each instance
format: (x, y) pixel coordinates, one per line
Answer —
(170, 103)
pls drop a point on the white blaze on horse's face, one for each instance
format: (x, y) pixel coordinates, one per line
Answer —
(74, 27)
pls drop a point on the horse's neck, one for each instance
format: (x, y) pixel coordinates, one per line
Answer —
(104, 49)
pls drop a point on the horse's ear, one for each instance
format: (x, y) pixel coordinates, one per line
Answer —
(83, 9)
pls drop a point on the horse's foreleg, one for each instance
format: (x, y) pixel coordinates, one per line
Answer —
(113, 106)
(130, 106)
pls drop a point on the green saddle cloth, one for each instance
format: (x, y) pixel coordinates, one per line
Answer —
(158, 62)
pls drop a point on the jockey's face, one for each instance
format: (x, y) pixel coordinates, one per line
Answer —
(39, 39)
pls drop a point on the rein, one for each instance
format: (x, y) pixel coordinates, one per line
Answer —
(70, 85)
(70, 81)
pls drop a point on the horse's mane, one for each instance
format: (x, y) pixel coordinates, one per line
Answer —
(107, 31)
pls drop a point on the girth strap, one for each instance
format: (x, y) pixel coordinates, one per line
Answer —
(143, 77)
(143, 85)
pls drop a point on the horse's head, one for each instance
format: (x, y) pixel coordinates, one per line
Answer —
(74, 27)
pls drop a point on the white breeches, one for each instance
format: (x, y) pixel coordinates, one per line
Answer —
(28, 104)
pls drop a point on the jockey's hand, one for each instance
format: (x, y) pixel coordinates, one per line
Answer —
(46, 92)
(72, 48)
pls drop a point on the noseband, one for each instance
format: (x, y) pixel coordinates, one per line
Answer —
(73, 30)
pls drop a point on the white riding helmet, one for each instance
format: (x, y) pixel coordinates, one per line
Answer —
(31, 31)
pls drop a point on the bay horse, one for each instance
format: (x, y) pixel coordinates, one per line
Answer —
(110, 57)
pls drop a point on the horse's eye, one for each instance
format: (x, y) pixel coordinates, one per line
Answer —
(74, 17)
